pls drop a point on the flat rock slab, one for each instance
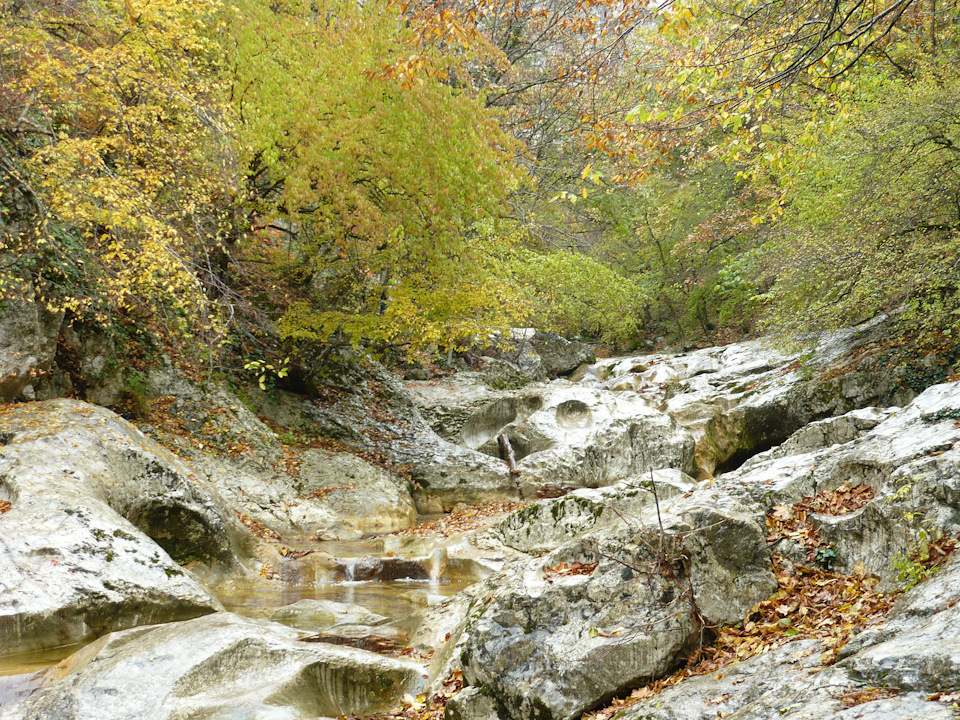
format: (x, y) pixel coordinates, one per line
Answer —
(217, 666)
(787, 682)
(100, 516)
(925, 658)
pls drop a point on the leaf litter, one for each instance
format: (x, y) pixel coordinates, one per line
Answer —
(811, 603)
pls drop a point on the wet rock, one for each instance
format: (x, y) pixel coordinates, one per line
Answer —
(217, 666)
(324, 614)
(100, 518)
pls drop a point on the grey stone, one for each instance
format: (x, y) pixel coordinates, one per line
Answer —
(471, 703)
(28, 340)
(559, 356)
(554, 645)
(325, 614)
(787, 682)
(923, 658)
(100, 516)
(218, 666)
(543, 526)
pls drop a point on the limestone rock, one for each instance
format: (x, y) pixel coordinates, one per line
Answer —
(787, 682)
(100, 517)
(218, 666)
(543, 526)
(551, 643)
(324, 614)
(832, 431)
(924, 658)
(559, 356)
(587, 437)
(471, 704)
(747, 397)
(363, 499)
(28, 341)
(565, 433)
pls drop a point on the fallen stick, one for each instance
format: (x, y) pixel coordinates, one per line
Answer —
(506, 453)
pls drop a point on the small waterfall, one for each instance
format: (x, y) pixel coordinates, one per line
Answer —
(436, 564)
(350, 569)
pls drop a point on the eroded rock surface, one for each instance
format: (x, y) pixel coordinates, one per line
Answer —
(218, 666)
(747, 397)
(100, 518)
(558, 634)
(561, 433)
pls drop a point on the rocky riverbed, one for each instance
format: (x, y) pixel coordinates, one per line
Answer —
(263, 557)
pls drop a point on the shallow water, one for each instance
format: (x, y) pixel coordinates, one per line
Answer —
(32, 662)
(382, 598)
(21, 674)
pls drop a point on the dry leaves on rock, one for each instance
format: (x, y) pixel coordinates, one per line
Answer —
(257, 528)
(810, 603)
(320, 492)
(861, 695)
(563, 569)
(845, 499)
(463, 520)
(372, 643)
(423, 707)
(295, 554)
(4, 506)
(267, 571)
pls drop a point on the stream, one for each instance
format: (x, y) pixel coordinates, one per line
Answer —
(356, 582)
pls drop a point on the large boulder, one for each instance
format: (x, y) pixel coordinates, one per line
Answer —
(328, 495)
(561, 633)
(463, 408)
(911, 461)
(218, 666)
(559, 356)
(544, 526)
(290, 489)
(100, 519)
(561, 433)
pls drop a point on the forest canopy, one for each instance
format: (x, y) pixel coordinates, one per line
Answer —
(412, 175)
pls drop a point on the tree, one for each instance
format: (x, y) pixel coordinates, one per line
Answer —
(114, 155)
(374, 183)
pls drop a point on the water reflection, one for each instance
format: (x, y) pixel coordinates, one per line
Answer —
(390, 599)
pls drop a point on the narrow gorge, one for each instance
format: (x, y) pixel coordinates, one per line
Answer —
(747, 532)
